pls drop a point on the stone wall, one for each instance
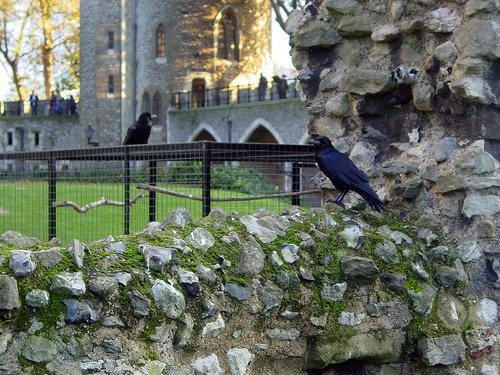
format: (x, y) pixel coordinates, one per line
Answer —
(301, 292)
(410, 91)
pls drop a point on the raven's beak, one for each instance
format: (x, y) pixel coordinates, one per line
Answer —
(153, 116)
(312, 141)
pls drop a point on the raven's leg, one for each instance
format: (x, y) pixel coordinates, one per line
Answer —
(338, 200)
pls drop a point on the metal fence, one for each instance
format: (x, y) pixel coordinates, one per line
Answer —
(230, 95)
(89, 194)
(43, 108)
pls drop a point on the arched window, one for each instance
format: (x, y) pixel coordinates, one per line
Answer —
(161, 41)
(228, 38)
(146, 103)
(157, 108)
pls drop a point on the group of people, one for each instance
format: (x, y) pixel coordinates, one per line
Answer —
(281, 85)
(56, 103)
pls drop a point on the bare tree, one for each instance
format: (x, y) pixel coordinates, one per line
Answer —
(283, 8)
(13, 30)
(39, 41)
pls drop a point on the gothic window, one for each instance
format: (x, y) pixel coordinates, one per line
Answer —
(111, 84)
(161, 41)
(228, 36)
(157, 107)
(111, 40)
(146, 103)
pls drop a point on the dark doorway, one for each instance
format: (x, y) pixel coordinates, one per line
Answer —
(198, 92)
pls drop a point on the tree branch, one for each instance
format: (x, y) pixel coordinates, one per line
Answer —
(100, 202)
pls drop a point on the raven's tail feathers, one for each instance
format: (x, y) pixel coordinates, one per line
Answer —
(372, 199)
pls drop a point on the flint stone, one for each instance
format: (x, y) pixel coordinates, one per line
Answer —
(394, 281)
(480, 341)
(333, 292)
(342, 6)
(238, 291)
(448, 184)
(113, 345)
(37, 298)
(398, 167)
(447, 276)
(190, 282)
(140, 303)
(179, 217)
(423, 300)
(446, 52)
(306, 274)
(315, 34)
(481, 205)
(270, 295)
(123, 278)
(48, 258)
(358, 269)
(338, 105)
(156, 257)
(39, 349)
(438, 253)
(385, 33)
(396, 236)
(9, 294)
(239, 360)
(113, 322)
(168, 299)
(275, 260)
(207, 365)
(362, 25)
(478, 38)
(77, 251)
(252, 258)
(350, 319)
(80, 312)
(352, 234)
(475, 6)
(445, 148)
(21, 263)
(215, 328)
(283, 335)
(206, 274)
(468, 251)
(319, 321)
(376, 309)
(289, 253)
(117, 247)
(487, 311)
(363, 81)
(442, 20)
(388, 252)
(382, 346)
(287, 280)
(200, 239)
(445, 350)
(475, 88)
(16, 239)
(103, 286)
(68, 283)
(266, 228)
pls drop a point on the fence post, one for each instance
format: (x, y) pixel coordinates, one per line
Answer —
(126, 210)
(295, 183)
(52, 197)
(152, 194)
(206, 155)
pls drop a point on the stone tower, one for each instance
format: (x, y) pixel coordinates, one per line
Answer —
(135, 53)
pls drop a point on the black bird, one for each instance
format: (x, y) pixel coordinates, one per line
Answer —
(344, 174)
(138, 133)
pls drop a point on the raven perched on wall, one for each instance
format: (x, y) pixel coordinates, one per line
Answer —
(343, 173)
(138, 133)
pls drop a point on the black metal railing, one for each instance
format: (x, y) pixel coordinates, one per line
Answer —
(43, 108)
(232, 95)
(100, 189)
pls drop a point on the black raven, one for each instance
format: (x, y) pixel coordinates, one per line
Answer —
(343, 173)
(138, 132)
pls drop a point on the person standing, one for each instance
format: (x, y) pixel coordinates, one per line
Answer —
(262, 87)
(72, 105)
(33, 102)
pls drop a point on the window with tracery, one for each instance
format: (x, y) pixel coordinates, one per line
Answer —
(161, 41)
(228, 36)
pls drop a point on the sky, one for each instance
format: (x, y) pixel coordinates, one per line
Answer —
(280, 55)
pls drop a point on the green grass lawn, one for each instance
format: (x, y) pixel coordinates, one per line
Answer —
(24, 208)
